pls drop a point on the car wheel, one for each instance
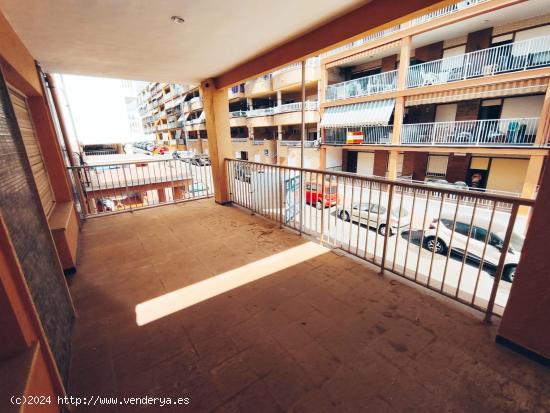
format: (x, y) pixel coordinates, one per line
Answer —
(509, 273)
(432, 243)
(319, 205)
(344, 215)
(382, 230)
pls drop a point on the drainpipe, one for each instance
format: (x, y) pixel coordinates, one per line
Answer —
(50, 82)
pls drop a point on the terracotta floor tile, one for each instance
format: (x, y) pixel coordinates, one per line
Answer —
(324, 335)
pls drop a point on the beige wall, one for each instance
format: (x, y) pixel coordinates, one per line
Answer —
(507, 174)
(334, 157)
(522, 107)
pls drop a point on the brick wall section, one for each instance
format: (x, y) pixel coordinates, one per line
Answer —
(29, 232)
(389, 63)
(468, 109)
(479, 40)
(415, 164)
(457, 168)
(429, 52)
(380, 163)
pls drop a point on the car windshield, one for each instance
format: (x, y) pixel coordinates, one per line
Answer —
(516, 241)
(399, 212)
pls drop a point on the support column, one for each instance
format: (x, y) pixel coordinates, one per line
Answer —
(323, 158)
(524, 324)
(532, 177)
(404, 60)
(543, 127)
(215, 103)
(279, 98)
(279, 132)
(392, 165)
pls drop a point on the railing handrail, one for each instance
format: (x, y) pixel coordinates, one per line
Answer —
(237, 113)
(403, 183)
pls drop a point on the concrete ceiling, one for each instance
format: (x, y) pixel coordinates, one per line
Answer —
(135, 39)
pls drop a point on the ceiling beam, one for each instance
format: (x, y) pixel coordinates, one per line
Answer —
(339, 31)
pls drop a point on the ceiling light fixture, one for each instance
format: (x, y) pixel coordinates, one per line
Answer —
(177, 19)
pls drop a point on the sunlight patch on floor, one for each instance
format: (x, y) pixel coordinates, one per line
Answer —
(177, 300)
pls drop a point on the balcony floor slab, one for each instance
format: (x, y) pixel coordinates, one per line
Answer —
(325, 333)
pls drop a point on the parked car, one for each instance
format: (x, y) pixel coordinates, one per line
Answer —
(374, 215)
(198, 189)
(443, 183)
(475, 239)
(200, 161)
(314, 194)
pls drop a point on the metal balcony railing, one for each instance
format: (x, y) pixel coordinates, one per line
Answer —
(428, 235)
(239, 139)
(311, 62)
(260, 112)
(127, 186)
(372, 135)
(237, 114)
(523, 55)
(307, 144)
(296, 107)
(364, 86)
(490, 132)
(453, 8)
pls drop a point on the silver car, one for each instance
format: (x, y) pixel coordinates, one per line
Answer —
(374, 215)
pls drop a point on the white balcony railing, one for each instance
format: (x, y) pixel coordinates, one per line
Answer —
(296, 106)
(453, 8)
(239, 139)
(527, 54)
(368, 85)
(489, 132)
(237, 114)
(311, 62)
(260, 112)
(372, 135)
(307, 144)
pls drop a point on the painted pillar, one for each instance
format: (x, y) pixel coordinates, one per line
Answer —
(404, 59)
(392, 165)
(216, 102)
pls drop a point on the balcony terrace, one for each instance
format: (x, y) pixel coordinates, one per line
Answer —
(522, 55)
(252, 317)
(488, 132)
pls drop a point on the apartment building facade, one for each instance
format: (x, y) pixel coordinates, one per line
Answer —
(265, 116)
(160, 108)
(460, 95)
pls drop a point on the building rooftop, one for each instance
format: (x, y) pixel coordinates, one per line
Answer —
(238, 315)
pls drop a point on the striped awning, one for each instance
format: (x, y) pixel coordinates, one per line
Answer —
(518, 87)
(373, 113)
(365, 53)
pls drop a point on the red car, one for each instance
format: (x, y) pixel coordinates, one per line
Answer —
(314, 194)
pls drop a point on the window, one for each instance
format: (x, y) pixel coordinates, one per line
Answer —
(377, 209)
(479, 234)
(463, 229)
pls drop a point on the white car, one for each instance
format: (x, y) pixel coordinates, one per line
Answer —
(374, 215)
(472, 239)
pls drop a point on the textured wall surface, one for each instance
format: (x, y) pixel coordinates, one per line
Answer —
(29, 232)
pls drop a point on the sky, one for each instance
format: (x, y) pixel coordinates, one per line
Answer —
(98, 108)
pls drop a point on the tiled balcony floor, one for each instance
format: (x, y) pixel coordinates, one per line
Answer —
(326, 334)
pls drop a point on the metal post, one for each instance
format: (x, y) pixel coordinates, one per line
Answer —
(127, 191)
(388, 229)
(500, 267)
(302, 147)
